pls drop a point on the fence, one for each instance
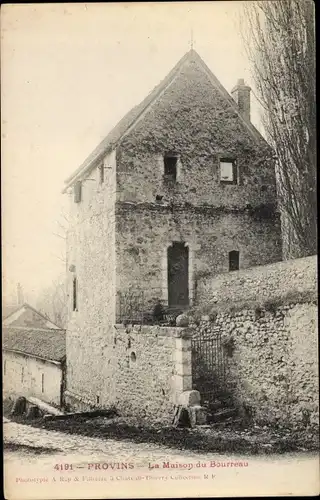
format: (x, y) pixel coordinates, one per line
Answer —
(208, 366)
(135, 306)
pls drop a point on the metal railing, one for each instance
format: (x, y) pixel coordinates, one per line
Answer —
(135, 306)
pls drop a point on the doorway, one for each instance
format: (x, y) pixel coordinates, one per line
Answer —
(178, 277)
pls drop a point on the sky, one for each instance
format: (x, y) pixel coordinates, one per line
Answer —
(69, 74)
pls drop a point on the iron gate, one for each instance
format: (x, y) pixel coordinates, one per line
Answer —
(208, 366)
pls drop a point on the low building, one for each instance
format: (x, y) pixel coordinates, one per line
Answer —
(34, 363)
(26, 315)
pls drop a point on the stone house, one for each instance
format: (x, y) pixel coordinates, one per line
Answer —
(181, 189)
(33, 363)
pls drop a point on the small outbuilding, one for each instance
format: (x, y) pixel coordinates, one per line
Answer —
(34, 361)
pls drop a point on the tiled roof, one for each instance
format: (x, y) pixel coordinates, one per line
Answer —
(48, 344)
(132, 116)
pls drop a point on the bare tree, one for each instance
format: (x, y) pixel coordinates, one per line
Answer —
(52, 302)
(280, 38)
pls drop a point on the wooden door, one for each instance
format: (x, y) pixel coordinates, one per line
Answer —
(178, 261)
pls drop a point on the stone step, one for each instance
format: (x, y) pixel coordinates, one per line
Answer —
(215, 405)
(223, 414)
(45, 407)
(228, 422)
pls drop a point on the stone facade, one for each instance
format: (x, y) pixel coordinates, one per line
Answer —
(125, 217)
(139, 385)
(146, 231)
(91, 261)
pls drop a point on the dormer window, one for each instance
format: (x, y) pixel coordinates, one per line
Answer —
(228, 171)
(170, 167)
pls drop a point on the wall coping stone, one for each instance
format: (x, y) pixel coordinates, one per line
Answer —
(126, 206)
(156, 330)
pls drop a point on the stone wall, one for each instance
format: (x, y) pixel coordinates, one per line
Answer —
(272, 365)
(145, 231)
(260, 283)
(193, 119)
(22, 376)
(150, 366)
(91, 260)
(270, 347)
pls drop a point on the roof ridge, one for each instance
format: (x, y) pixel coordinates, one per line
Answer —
(130, 118)
(94, 155)
(25, 304)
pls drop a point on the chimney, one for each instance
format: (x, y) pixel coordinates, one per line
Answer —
(20, 299)
(241, 94)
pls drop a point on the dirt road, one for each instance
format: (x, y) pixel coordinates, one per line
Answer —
(46, 464)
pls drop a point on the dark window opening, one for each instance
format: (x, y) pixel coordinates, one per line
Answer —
(234, 260)
(5, 367)
(228, 172)
(98, 400)
(101, 173)
(170, 167)
(74, 294)
(42, 382)
(22, 374)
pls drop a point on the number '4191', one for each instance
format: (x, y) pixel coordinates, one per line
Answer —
(63, 467)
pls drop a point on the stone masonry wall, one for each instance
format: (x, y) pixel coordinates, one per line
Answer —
(27, 376)
(272, 365)
(270, 347)
(193, 119)
(260, 282)
(144, 233)
(147, 372)
(91, 260)
(144, 374)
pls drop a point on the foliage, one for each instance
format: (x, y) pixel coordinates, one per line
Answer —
(280, 37)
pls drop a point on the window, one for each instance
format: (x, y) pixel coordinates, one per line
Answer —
(74, 294)
(42, 382)
(170, 167)
(5, 368)
(22, 374)
(101, 173)
(228, 172)
(234, 260)
(77, 192)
